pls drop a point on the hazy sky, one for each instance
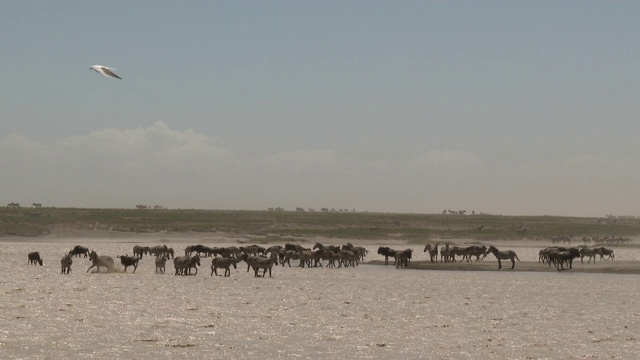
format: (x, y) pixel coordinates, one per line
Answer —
(504, 107)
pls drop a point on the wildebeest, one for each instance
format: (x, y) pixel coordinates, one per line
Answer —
(34, 258)
(65, 263)
(387, 252)
(98, 261)
(602, 251)
(590, 253)
(403, 258)
(138, 251)
(224, 263)
(127, 261)
(503, 255)
(565, 257)
(79, 250)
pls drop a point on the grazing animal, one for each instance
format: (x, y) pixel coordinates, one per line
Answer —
(79, 250)
(590, 253)
(286, 257)
(348, 258)
(184, 264)
(567, 256)
(446, 254)
(100, 261)
(387, 252)
(65, 264)
(605, 252)
(34, 258)
(474, 250)
(503, 255)
(161, 261)
(157, 250)
(265, 263)
(223, 262)
(433, 251)
(403, 258)
(127, 261)
(138, 251)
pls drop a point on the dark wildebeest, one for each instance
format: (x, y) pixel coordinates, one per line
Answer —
(602, 251)
(79, 250)
(138, 251)
(127, 261)
(387, 252)
(34, 258)
(566, 257)
(65, 263)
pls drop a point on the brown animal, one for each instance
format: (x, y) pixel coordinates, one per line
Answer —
(34, 258)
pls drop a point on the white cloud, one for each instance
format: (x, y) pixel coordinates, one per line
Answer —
(157, 145)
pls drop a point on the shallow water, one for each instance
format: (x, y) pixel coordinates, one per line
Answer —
(357, 313)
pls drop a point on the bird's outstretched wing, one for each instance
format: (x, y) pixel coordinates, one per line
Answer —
(109, 72)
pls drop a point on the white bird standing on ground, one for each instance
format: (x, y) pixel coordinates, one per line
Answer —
(105, 71)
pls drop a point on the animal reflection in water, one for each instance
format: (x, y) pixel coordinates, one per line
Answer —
(503, 255)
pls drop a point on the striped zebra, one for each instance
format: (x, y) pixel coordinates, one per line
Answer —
(224, 263)
(503, 255)
(287, 256)
(264, 263)
(184, 264)
(433, 251)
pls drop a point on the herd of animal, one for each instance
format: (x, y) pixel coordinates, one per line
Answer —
(555, 255)
(260, 258)
(257, 257)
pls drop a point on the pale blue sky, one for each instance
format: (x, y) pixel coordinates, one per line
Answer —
(506, 107)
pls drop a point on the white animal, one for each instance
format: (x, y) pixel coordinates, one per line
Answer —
(105, 71)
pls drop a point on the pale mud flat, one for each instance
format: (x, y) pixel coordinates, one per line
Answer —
(367, 312)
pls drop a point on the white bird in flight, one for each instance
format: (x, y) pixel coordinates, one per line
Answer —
(105, 71)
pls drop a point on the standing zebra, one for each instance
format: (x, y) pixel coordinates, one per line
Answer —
(433, 251)
(223, 262)
(503, 255)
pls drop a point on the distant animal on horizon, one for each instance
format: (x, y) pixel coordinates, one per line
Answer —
(34, 258)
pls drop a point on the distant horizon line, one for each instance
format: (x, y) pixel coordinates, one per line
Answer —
(312, 210)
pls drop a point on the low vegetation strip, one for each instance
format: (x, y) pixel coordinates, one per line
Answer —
(411, 228)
